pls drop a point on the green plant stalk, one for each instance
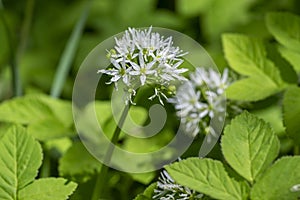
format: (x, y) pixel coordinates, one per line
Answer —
(16, 81)
(25, 29)
(69, 54)
(46, 167)
(102, 176)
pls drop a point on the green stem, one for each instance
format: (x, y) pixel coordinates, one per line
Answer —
(16, 81)
(25, 29)
(102, 176)
(69, 53)
(46, 167)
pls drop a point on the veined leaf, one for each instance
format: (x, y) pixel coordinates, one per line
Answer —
(291, 113)
(249, 145)
(208, 177)
(48, 189)
(46, 118)
(278, 181)
(285, 27)
(24, 110)
(247, 56)
(49, 129)
(250, 89)
(21, 156)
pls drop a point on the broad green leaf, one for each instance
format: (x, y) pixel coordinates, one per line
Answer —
(78, 164)
(33, 108)
(293, 57)
(48, 189)
(46, 118)
(291, 113)
(285, 27)
(21, 156)
(49, 129)
(249, 145)
(148, 193)
(247, 56)
(4, 127)
(278, 181)
(209, 177)
(250, 89)
(61, 109)
(24, 110)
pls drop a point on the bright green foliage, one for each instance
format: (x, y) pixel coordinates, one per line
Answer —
(268, 71)
(48, 189)
(46, 118)
(278, 181)
(21, 157)
(78, 164)
(285, 27)
(249, 145)
(209, 177)
(291, 113)
(247, 56)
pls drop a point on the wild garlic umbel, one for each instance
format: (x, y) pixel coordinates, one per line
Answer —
(143, 57)
(200, 98)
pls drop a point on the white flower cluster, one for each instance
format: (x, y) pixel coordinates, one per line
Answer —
(200, 99)
(167, 189)
(143, 57)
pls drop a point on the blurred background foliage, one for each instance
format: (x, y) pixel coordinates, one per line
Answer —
(34, 35)
(39, 30)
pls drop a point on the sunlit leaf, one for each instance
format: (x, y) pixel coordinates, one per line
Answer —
(278, 181)
(247, 56)
(21, 156)
(249, 145)
(48, 189)
(285, 27)
(208, 177)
